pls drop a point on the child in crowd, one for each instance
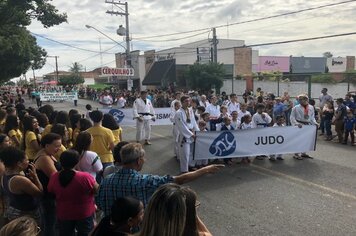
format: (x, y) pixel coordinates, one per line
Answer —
(200, 110)
(246, 124)
(227, 126)
(328, 114)
(243, 111)
(89, 109)
(349, 126)
(280, 121)
(261, 120)
(205, 117)
(203, 128)
(235, 122)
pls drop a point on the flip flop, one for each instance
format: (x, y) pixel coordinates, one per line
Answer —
(298, 157)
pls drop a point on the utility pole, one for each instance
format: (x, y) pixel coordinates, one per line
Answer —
(124, 12)
(215, 46)
(57, 74)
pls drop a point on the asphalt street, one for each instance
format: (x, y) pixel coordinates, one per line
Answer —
(290, 197)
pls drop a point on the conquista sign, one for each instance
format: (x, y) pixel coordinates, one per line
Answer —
(107, 71)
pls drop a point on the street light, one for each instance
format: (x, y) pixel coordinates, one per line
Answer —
(92, 27)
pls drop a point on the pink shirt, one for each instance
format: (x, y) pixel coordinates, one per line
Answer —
(76, 200)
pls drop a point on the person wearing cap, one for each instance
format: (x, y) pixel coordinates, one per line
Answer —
(278, 108)
(302, 114)
(143, 112)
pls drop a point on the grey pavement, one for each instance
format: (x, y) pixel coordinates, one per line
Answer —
(290, 197)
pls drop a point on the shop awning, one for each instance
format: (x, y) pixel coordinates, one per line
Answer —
(161, 73)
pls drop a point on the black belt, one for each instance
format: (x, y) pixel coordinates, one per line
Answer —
(145, 114)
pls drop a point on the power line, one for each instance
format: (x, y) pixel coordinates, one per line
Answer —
(249, 21)
(170, 40)
(68, 45)
(290, 22)
(97, 54)
(294, 40)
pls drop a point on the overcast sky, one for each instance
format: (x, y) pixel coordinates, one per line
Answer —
(157, 17)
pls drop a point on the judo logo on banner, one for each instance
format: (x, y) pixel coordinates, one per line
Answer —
(117, 114)
(223, 145)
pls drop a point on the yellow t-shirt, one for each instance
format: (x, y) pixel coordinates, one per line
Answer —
(47, 130)
(17, 133)
(30, 152)
(60, 151)
(102, 137)
(117, 133)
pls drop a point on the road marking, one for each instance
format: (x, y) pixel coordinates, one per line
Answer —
(302, 182)
(154, 133)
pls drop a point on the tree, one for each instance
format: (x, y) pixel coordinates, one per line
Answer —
(71, 79)
(327, 54)
(75, 77)
(76, 68)
(205, 76)
(18, 48)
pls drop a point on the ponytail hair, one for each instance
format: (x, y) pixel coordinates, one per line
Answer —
(68, 159)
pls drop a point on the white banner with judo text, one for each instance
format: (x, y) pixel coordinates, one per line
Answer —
(125, 116)
(253, 142)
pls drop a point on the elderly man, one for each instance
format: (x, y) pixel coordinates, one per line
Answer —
(129, 182)
(143, 112)
(302, 114)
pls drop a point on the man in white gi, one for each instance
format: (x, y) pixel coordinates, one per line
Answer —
(143, 112)
(302, 114)
(186, 125)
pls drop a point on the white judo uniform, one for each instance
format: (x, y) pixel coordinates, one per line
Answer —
(143, 109)
(186, 125)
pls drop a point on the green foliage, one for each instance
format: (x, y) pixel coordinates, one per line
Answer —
(75, 77)
(76, 68)
(323, 78)
(350, 77)
(205, 76)
(71, 79)
(18, 48)
(268, 76)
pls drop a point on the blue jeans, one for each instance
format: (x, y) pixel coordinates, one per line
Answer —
(49, 216)
(83, 226)
(322, 124)
(327, 125)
